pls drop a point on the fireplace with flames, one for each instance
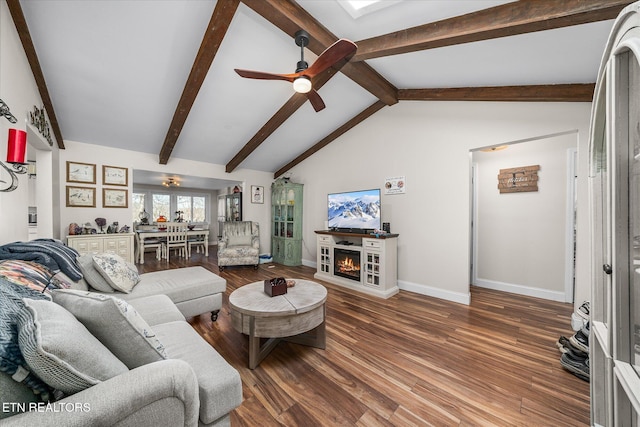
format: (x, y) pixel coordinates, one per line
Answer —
(346, 264)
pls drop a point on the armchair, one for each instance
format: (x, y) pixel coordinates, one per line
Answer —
(239, 245)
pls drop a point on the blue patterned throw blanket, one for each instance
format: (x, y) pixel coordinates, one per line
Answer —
(51, 253)
(11, 360)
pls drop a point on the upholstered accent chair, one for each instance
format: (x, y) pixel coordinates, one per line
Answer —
(239, 245)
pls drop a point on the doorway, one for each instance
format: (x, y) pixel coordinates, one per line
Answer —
(524, 242)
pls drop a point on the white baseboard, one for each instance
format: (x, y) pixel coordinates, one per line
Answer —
(308, 263)
(559, 296)
(417, 288)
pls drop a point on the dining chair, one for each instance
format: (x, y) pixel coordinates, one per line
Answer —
(198, 242)
(176, 239)
(149, 243)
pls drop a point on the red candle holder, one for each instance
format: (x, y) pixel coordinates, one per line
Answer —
(16, 146)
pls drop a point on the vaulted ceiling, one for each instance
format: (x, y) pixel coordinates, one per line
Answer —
(158, 76)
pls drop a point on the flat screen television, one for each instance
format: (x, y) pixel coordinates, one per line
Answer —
(354, 211)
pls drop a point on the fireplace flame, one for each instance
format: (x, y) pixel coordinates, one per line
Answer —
(347, 265)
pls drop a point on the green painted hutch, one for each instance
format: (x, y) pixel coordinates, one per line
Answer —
(286, 214)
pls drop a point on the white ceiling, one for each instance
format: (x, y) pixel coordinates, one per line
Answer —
(115, 71)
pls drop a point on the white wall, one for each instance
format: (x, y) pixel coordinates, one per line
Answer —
(19, 91)
(521, 237)
(88, 153)
(429, 143)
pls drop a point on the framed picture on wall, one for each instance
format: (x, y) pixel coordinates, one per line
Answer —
(257, 194)
(81, 197)
(113, 175)
(81, 172)
(114, 198)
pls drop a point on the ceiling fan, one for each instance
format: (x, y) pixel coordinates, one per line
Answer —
(334, 56)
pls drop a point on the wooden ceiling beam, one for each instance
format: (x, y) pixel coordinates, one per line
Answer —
(216, 30)
(290, 17)
(520, 17)
(369, 111)
(27, 44)
(535, 93)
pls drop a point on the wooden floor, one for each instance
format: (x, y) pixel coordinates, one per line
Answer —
(410, 360)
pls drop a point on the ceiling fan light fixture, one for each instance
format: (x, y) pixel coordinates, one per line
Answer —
(302, 84)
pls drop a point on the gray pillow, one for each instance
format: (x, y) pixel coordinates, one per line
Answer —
(60, 350)
(69, 283)
(116, 271)
(116, 324)
(239, 240)
(93, 276)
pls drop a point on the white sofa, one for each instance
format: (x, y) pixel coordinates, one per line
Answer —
(194, 290)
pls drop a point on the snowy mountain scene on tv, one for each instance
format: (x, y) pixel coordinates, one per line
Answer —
(356, 209)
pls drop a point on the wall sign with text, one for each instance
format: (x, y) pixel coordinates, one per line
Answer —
(518, 180)
(395, 185)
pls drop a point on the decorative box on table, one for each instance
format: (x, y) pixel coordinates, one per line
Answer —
(275, 287)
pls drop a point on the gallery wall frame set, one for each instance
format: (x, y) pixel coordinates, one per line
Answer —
(85, 173)
(81, 197)
(114, 175)
(81, 172)
(115, 198)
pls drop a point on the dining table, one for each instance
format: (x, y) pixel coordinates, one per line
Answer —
(155, 233)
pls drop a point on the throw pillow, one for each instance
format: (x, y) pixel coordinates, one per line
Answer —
(239, 241)
(116, 324)
(60, 350)
(116, 271)
(93, 276)
(30, 274)
(69, 283)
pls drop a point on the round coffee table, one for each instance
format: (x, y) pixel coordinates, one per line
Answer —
(297, 316)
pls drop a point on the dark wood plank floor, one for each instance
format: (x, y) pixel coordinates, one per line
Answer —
(410, 360)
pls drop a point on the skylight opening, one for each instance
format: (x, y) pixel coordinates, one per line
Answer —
(358, 8)
(359, 4)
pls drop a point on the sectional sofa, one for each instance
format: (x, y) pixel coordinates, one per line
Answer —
(114, 356)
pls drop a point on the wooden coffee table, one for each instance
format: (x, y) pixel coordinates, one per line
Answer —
(297, 316)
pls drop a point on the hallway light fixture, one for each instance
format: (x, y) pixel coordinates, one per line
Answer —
(16, 149)
(171, 182)
(495, 148)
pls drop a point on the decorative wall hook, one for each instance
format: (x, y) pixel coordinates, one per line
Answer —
(20, 169)
(4, 111)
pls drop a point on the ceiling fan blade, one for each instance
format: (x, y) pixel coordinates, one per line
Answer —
(249, 74)
(316, 101)
(336, 54)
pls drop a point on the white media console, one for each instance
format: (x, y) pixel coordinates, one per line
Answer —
(361, 262)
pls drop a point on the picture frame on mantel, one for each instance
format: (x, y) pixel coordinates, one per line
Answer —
(115, 198)
(114, 175)
(81, 197)
(81, 172)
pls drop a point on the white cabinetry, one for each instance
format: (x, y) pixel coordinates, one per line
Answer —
(376, 263)
(33, 232)
(324, 254)
(119, 243)
(614, 177)
(380, 262)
